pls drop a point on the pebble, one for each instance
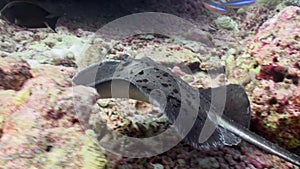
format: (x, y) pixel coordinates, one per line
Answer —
(157, 166)
(103, 102)
(208, 163)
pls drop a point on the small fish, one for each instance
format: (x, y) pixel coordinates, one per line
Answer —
(143, 76)
(238, 3)
(218, 6)
(213, 7)
(29, 15)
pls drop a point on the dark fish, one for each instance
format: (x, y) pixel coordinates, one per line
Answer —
(200, 106)
(29, 15)
(218, 6)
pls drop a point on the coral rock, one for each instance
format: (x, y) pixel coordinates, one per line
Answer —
(13, 74)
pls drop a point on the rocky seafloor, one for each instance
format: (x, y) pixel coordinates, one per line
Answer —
(40, 127)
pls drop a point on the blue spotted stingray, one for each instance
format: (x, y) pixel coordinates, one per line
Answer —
(186, 108)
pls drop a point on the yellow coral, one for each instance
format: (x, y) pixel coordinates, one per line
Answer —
(21, 97)
(93, 157)
(54, 158)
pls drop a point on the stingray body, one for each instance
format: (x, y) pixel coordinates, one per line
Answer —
(145, 80)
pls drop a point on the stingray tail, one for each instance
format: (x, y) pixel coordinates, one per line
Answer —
(235, 121)
(259, 141)
(230, 101)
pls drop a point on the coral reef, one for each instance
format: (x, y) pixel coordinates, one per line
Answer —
(60, 48)
(43, 117)
(13, 73)
(38, 123)
(270, 67)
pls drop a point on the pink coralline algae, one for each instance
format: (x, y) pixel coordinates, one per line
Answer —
(274, 55)
(39, 126)
(278, 37)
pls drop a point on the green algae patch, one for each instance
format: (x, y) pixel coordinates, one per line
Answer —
(271, 126)
(229, 62)
(53, 48)
(268, 3)
(93, 156)
(54, 158)
(58, 41)
(226, 22)
(292, 142)
(61, 149)
(251, 68)
(53, 95)
(288, 140)
(21, 97)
